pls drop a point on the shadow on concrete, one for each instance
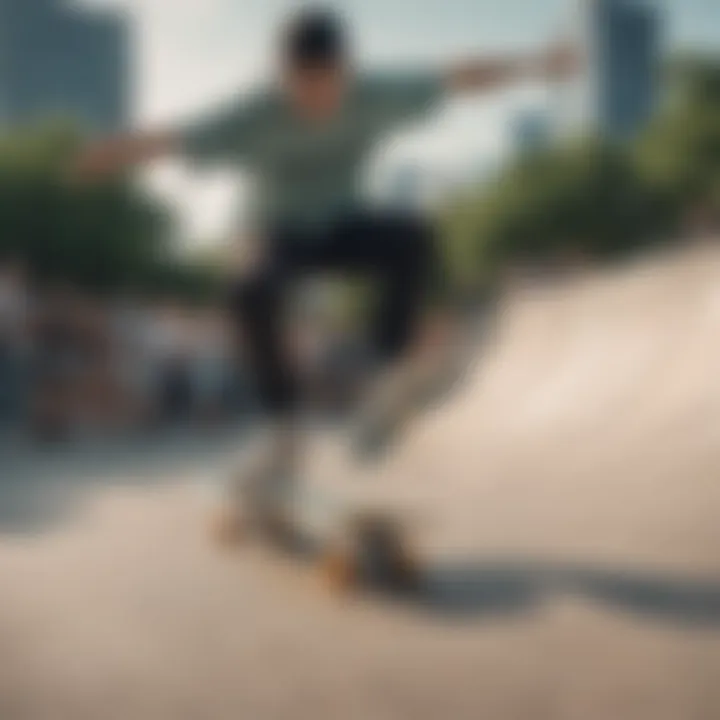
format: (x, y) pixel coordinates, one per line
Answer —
(462, 590)
(42, 486)
(40, 492)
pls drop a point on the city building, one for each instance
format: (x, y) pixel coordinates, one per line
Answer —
(624, 52)
(60, 59)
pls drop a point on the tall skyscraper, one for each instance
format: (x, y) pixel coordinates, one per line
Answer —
(58, 59)
(623, 43)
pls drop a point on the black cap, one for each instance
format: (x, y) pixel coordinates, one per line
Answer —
(315, 37)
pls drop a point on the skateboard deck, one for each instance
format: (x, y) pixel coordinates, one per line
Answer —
(350, 546)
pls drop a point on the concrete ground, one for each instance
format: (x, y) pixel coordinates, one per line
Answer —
(569, 493)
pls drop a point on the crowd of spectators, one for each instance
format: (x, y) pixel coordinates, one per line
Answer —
(74, 362)
(79, 364)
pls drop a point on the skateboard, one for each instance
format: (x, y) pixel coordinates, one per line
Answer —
(350, 547)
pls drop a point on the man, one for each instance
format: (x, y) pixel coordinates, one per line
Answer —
(304, 140)
(14, 342)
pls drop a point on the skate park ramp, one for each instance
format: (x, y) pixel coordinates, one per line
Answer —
(570, 494)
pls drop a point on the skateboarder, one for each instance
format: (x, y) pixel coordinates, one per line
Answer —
(304, 140)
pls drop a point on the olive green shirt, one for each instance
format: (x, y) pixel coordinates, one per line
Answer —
(306, 174)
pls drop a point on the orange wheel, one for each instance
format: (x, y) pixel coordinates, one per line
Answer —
(227, 528)
(405, 569)
(339, 570)
(387, 553)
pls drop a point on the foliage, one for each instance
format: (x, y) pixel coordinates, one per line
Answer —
(680, 154)
(592, 198)
(98, 236)
(585, 198)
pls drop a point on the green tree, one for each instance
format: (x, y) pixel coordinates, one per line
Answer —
(593, 198)
(581, 198)
(679, 156)
(101, 236)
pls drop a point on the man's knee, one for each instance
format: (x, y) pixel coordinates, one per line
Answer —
(253, 293)
(415, 245)
(407, 239)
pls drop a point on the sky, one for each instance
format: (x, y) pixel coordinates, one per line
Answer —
(189, 54)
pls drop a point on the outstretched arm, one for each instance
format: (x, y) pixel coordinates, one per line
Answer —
(479, 75)
(223, 134)
(111, 156)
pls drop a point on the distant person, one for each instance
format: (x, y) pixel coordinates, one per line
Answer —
(210, 366)
(171, 340)
(305, 140)
(60, 361)
(14, 342)
(132, 364)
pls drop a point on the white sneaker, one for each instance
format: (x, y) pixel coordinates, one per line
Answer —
(389, 409)
(263, 481)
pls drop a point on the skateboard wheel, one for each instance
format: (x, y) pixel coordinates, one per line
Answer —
(340, 572)
(405, 570)
(385, 556)
(279, 530)
(227, 528)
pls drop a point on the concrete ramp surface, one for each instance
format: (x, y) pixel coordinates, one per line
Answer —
(572, 490)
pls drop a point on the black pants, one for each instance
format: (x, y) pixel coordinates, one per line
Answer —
(396, 251)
